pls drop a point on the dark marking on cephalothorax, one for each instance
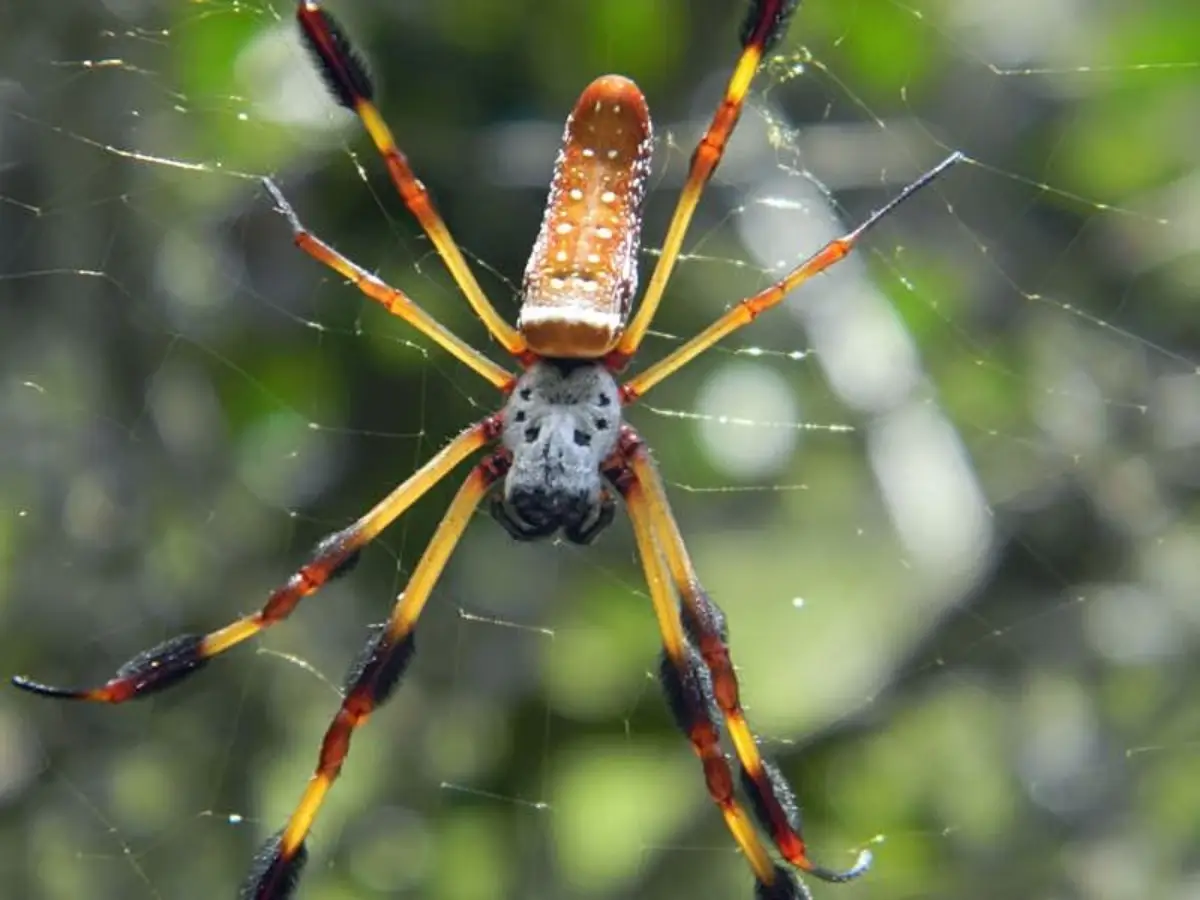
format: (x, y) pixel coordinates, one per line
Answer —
(558, 437)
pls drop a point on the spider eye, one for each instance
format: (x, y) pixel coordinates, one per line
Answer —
(532, 433)
(582, 438)
(601, 424)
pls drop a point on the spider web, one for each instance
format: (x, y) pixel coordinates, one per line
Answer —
(947, 498)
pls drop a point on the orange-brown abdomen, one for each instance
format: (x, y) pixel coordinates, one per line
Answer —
(582, 274)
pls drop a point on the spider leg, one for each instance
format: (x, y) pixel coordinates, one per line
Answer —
(764, 25)
(698, 677)
(688, 687)
(392, 299)
(173, 660)
(747, 310)
(348, 81)
(372, 679)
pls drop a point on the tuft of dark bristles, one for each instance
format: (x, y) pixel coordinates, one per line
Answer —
(704, 618)
(342, 68)
(147, 673)
(346, 566)
(689, 693)
(766, 21)
(780, 790)
(333, 544)
(381, 665)
(160, 667)
(786, 886)
(271, 877)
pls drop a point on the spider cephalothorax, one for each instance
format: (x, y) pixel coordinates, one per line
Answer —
(561, 423)
(564, 450)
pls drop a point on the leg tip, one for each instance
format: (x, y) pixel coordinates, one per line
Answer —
(45, 690)
(861, 865)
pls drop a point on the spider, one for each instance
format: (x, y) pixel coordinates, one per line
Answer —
(561, 450)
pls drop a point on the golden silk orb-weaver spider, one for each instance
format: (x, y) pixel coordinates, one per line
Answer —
(560, 449)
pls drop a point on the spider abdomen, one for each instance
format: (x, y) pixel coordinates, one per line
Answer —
(560, 423)
(582, 273)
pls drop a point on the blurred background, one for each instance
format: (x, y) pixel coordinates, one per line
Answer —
(947, 495)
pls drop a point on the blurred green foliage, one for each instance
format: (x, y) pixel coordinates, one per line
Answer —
(188, 404)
